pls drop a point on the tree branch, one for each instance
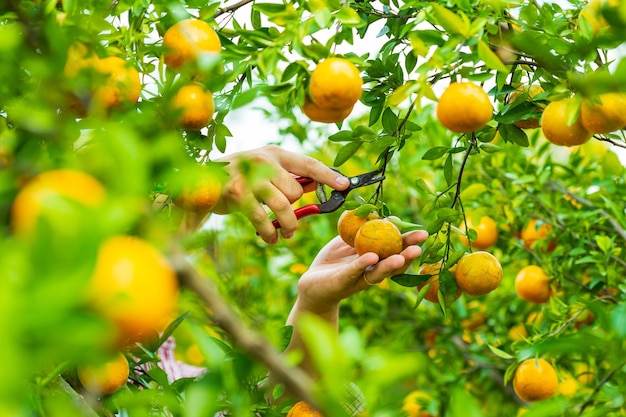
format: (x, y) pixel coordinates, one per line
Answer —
(295, 380)
(231, 8)
(616, 226)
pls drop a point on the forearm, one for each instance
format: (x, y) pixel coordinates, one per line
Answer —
(299, 309)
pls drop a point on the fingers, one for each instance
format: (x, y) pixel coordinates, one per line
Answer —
(395, 264)
(306, 166)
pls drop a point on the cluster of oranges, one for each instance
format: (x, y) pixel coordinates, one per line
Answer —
(132, 286)
(114, 83)
(334, 88)
(370, 233)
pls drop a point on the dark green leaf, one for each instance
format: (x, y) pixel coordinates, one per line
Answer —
(513, 134)
(390, 120)
(409, 280)
(346, 152)
(435, 153)
(341, 136)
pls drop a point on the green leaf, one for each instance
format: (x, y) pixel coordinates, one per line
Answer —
(490, 59)
(499, 352)
(390, 120)
(346, 152)
(448, 215)
(435, 153)
(448, 170)
(409, 280)
(489, 147)
(604, 243)
(403, 92)
(451, 21)
(513, 134)
(462, 404)
(342, 136)
(349, 17)
(365, 209)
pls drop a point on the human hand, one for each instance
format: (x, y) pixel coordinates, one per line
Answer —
(338, 272)
(277, 192)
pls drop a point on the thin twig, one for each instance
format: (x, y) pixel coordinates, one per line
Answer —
(457, 192)
(603, 381)
(231, 8)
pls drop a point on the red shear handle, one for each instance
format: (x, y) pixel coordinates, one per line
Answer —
(302, 212)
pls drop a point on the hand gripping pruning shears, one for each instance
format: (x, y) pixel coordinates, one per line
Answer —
(337, 198)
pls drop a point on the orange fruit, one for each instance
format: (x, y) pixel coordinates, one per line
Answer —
(133, 286)
(80, 61)
(486, 233)
(606, 115)
(201, 195)
(531, 92)
(535, 380)
(464, 107)
(532, 284)
(478, 273)
(433, 291)
(188, 40)
(104, 378)
(36, 196)
(534, 232)
(584, 373)
(415, 402)
(379, 236)
(336, 84)
(518, 332)
(122, 85)
(194, 106)
(324, 115)
(349, 223)
(303, 409)
(554, 124)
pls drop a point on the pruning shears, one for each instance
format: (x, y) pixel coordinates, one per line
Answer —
(337, 198)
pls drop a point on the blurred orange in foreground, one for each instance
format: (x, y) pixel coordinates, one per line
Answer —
(38, 196)
(104, 378)
(134, 287)
(303, 409)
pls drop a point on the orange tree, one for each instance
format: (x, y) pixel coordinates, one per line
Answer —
(70, 99)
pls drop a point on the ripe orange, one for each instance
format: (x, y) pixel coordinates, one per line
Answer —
(415, 402)
(335, 83)
(531, 92)
(486, 231)
(133, 286)
(518, 332)
(534, 232)
(606, 115)
(187, 40)
(433, 291)
(303, 409)
(194, 106)
(104, 378)
(36, 196)
(379, 236)
(532, 284)
(464, 107)
(478, 273)
(324, 115)
(80, 61)
(535, 380)
(554, 124)
(349, 223)
(122, 84)
(201, 195)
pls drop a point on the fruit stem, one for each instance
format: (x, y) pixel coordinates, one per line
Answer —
(457, 192)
